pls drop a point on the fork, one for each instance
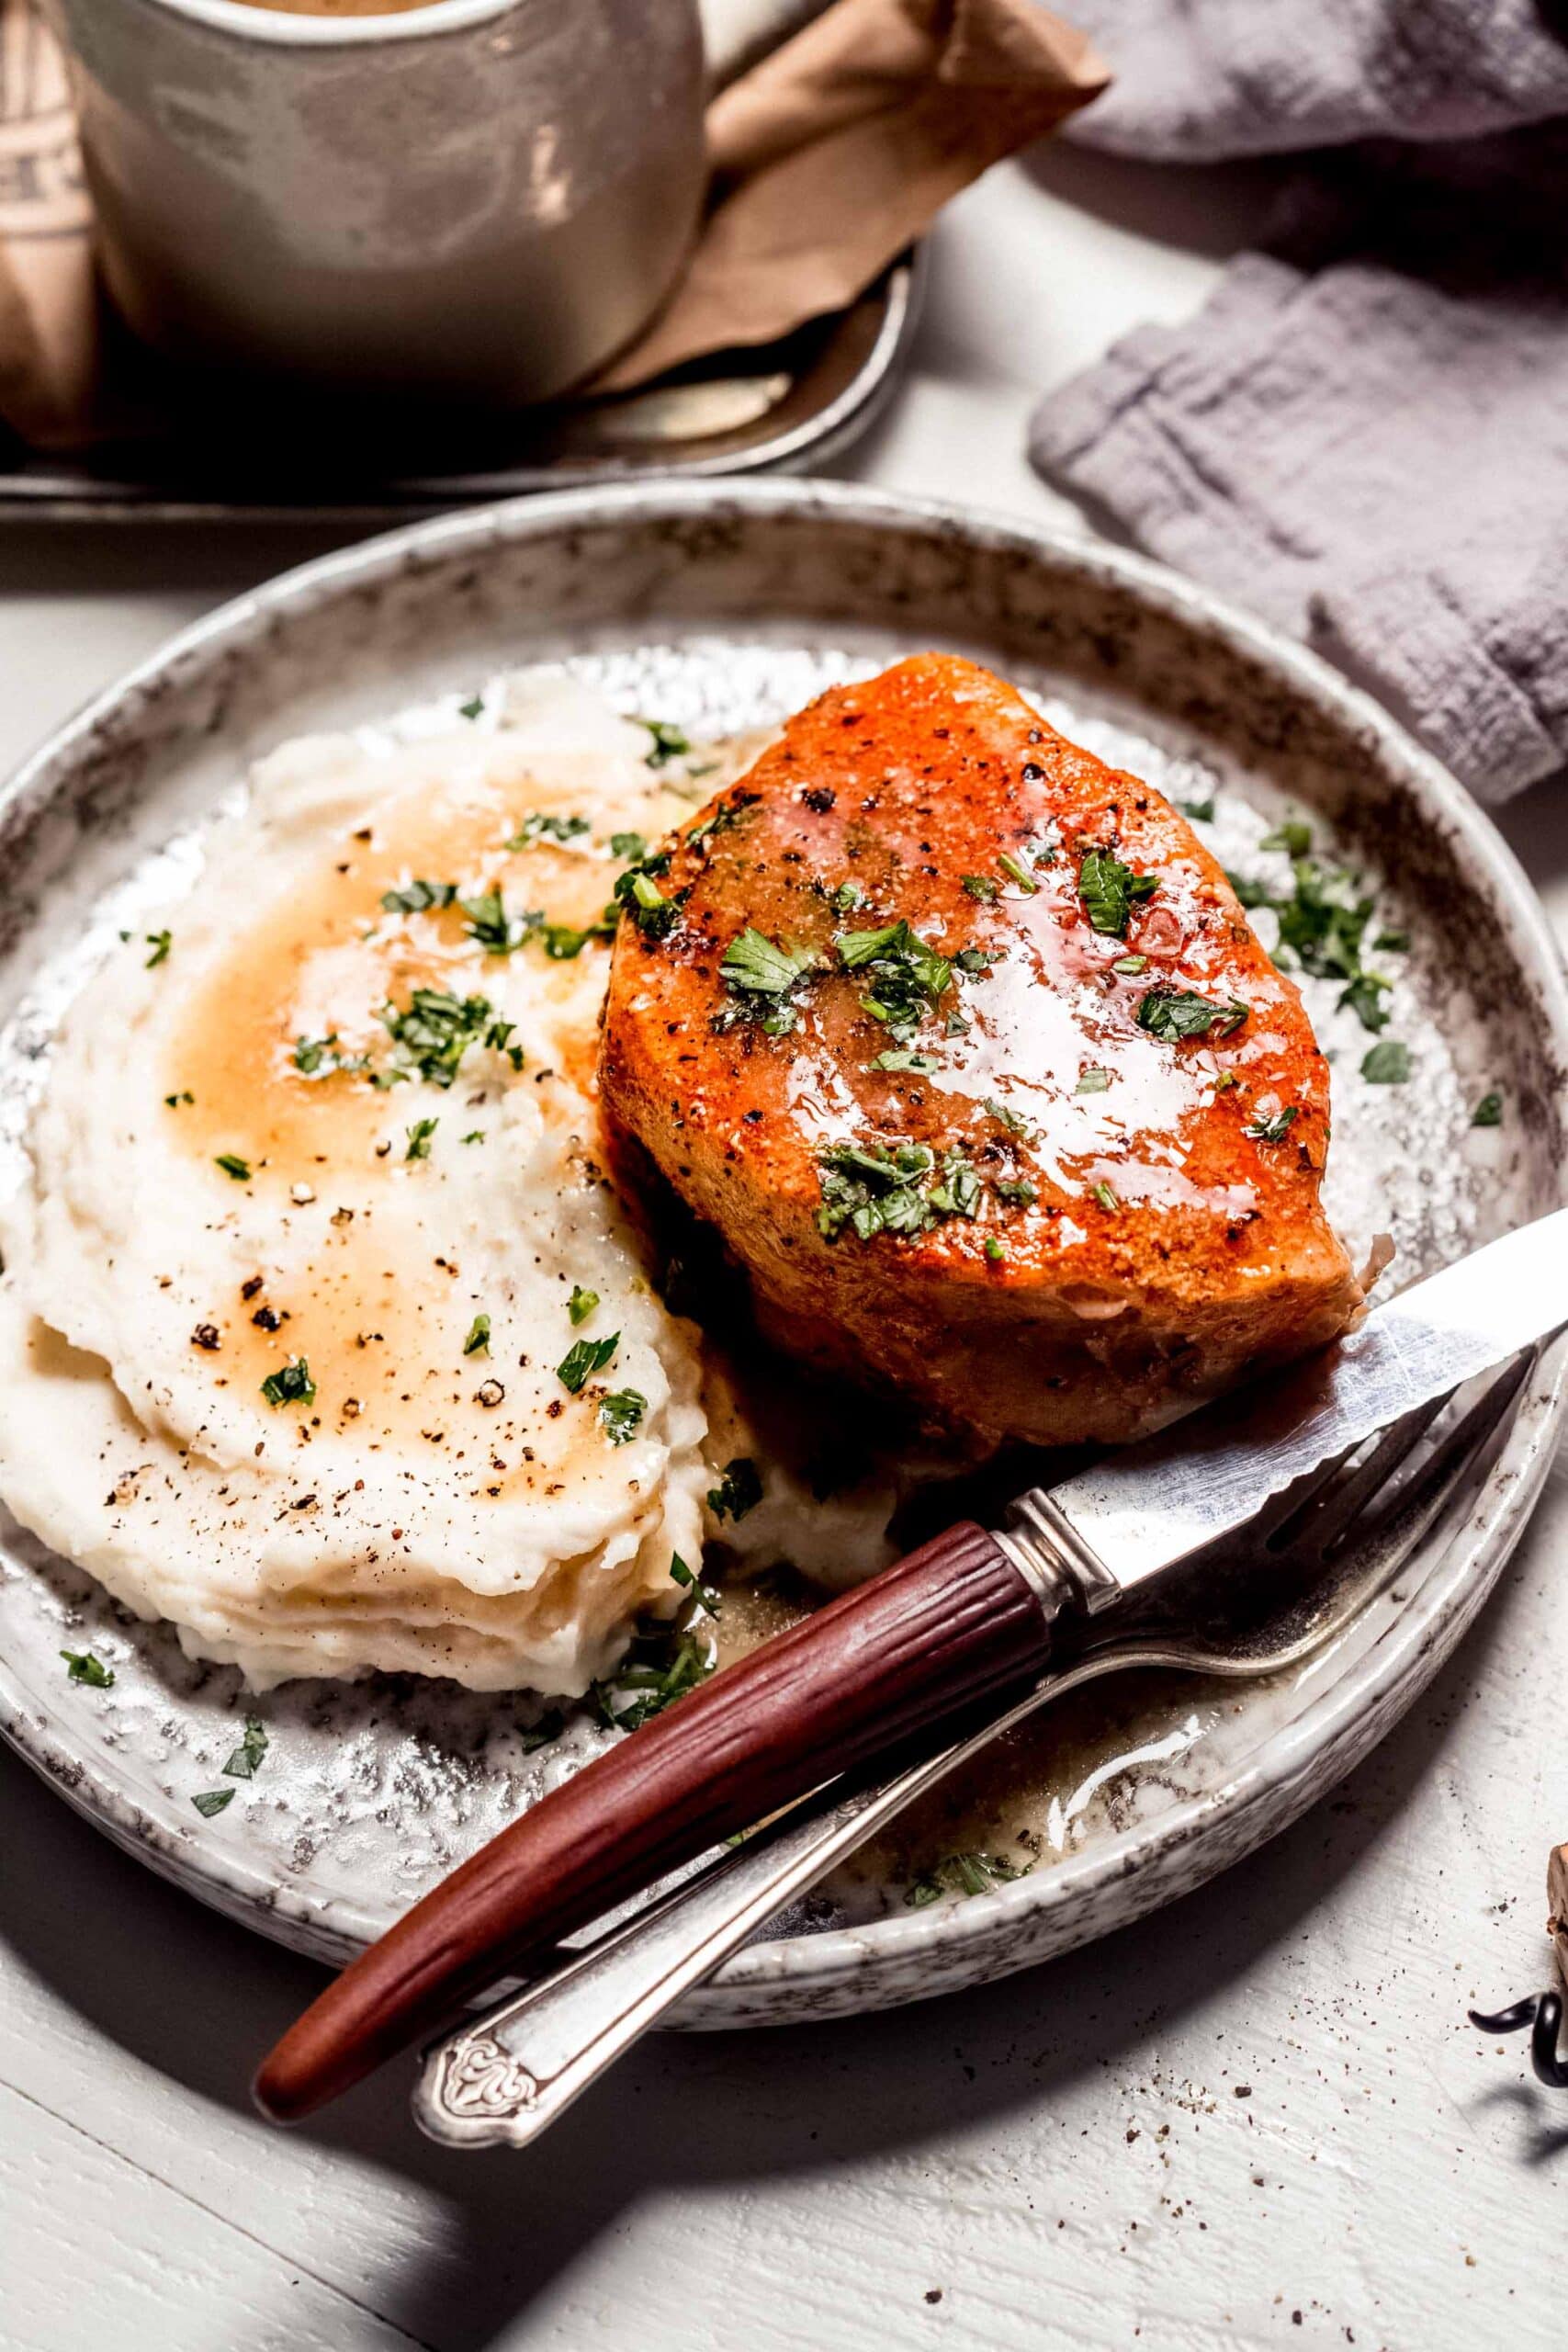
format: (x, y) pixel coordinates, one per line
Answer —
(1341, 1535)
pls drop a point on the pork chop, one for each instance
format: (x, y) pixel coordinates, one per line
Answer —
(962, 1041)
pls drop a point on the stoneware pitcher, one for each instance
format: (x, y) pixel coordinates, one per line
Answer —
(476, 200)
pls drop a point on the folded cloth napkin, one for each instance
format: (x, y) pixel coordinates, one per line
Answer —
(1201, 79)
(1364, 432)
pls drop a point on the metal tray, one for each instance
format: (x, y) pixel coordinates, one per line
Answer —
(778, 409)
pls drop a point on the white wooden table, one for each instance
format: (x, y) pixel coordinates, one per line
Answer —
(1258, 2119)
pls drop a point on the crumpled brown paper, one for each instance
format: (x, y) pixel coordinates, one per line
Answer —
(841, 149)
(830, 158)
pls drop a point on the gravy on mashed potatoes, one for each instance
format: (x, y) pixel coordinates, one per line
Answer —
(323, 1332)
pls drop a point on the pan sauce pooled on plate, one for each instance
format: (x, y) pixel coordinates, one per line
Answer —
(322, 1334)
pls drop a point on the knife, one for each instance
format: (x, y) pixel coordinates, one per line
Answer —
(954, 1627)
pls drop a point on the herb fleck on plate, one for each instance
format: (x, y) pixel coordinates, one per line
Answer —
(580, 1364)
(86, 1666)
(1387, 1063)
(245, 1761)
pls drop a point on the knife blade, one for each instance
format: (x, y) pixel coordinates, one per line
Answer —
(1127, 1519)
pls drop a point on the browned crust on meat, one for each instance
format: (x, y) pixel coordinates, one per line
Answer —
(1165, 1249)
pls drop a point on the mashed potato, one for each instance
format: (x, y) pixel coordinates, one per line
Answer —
(323, 1333)
(315, 1216)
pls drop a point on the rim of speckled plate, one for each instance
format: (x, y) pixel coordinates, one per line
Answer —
(1295, 1763)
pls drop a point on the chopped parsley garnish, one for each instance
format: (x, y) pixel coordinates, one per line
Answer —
(877, 1190)
(981, 886)
(580, 1304)
(212, 1801)
(1018, 1192)
(763, 967)
(1092, 1081)
(739, 1489)
(291, 1386)
(475, 1135)
(1323, 926)
(498, 1040)
(1011, 1120)
(472, 707)
(901, 1058)
(417, 898)
(419, 1137)
(245, 1761)
(659, 1668)
(86, 1666)
(1488, 1111)
(434, 1033)
(310, 1052)
(1201, 813)
(1275, 1129)
(665, 1661)
(628, 846)
(561, 943)
(847, 897)
(160, 941)
(1325, 921)
(1019, 871)
(1130, 966)
(637, 891)
(1293, 836)
(1106, 1197)
(874, 1190)
(958, 1194)
(1109, 891)
(477, 1341)
(972, 1873)
(1173, 1013)
(703, 1595)
(906, 974)
(1386, 1063)
(669, 742)
(738, 809)
(621, 1414)
(494, 930)
(233, 1165)
(581, 1363)
(545, 826)
(761, 975)
(1364, 999)
(994, 1249)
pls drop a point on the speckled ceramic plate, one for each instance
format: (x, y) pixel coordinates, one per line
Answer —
(720, 608)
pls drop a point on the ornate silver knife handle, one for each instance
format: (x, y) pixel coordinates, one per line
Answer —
(505, 2076)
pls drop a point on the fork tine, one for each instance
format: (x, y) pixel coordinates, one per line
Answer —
(1282, 1524)
(1426, 1494)
(1324, 1517)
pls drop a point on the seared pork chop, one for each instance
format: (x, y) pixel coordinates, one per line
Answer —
(964, 1043)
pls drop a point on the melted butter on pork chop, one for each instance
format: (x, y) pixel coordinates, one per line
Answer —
(962, 1041)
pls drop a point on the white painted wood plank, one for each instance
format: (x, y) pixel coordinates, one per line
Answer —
(127, 2260)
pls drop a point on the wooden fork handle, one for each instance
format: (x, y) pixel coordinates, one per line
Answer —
(945, 1628)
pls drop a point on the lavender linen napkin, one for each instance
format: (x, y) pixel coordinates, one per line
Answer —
(1200, 79)
(1364, 432)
